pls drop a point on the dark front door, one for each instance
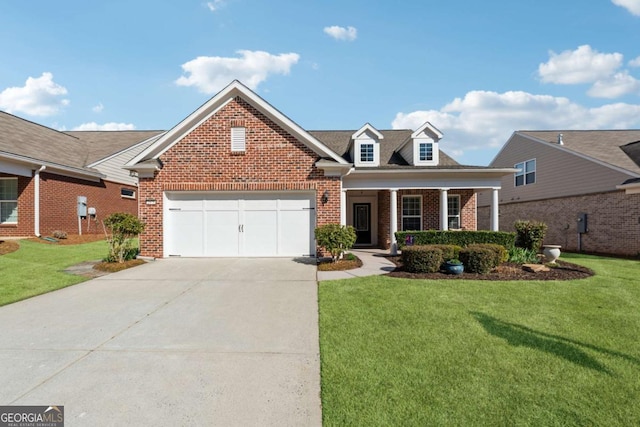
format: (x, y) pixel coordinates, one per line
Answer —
(362, 222)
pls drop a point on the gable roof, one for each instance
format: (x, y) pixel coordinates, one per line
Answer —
(633, 151)
(103, 144)
(340, 140)
(233, 90)
(31, 141)
(604, 146)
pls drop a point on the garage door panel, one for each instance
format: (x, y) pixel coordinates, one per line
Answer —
(222, 205)
(290, 240)
(221, 237)
(186, 238)
(260, 233)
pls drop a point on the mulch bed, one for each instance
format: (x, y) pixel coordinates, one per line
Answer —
(72, 239)
(506, 271)
(112, 267)
(8, 246)
(340, 265)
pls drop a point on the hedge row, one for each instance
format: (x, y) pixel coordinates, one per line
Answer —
(458, 238)
(479, 258)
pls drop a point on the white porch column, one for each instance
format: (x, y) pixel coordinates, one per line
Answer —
(393, 221)
(444, 209)
(36, 200)
(343, 207)
(495, 226)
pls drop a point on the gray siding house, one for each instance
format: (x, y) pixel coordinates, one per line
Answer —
(568, 179)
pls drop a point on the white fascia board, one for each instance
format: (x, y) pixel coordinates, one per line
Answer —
(430, 130)
(578, 154)
(498, 171)
(53, 167)
(632, 188)
(111, 156)
(222, 98)
(331, 168)
(364, 129)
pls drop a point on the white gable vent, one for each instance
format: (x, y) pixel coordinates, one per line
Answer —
(238, 138)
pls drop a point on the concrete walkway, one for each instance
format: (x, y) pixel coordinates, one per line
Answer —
(230, 342)
(373, 263)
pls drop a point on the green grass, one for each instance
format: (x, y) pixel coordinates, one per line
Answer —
(468, 353)
(37, 268)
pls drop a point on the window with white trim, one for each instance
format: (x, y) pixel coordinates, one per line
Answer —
(453, 214)
(8, 200)
(425, 151)
(366, 153)
(127, 193)
(238, 138)
(411, 213)
(526, 174)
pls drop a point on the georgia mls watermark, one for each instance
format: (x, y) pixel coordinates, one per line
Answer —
(32, 416)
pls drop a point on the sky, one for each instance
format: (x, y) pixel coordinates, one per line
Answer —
(477, 71)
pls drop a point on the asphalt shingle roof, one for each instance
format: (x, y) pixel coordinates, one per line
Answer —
(340, 140)
(102, 144)
(604, 145)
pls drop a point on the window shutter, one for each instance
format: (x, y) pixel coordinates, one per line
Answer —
(238, 139)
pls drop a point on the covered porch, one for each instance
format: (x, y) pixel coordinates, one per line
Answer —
(377, 204)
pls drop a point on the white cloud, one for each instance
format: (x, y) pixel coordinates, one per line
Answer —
(341, 33)
(98, 108)
(484, 120)
(214, 5)
(583, 65)
(616, 86)
(209, 74)
(39, 96)
(635, 62)
(105, 126)
(633, 6)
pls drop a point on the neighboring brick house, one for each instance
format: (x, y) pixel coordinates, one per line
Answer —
(238, 178)
(565, 175)
(44, 171)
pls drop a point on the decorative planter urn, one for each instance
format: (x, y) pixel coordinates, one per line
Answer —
(452, 268)
(551, 253)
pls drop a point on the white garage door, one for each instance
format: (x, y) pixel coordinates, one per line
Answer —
(220, 224)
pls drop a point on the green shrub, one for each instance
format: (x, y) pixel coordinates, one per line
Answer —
(448, 251)
(523, 256)
(478, 259)
(530, 234)
(459, 238)
(501, 253)
(336, 238)
(422, 259)
(124, 228)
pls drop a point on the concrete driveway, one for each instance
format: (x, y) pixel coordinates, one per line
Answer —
(173, 342)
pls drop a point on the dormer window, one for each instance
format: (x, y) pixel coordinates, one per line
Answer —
(365, 149)
(366, 153)
(425, 151)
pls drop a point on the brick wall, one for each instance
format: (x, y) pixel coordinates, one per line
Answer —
(613, 221)
(58, 205)
(430, 211)
(203, 161)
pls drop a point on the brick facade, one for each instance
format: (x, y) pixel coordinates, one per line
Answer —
(613, 220)
(430, 211)
(202, 161)
(58, 205)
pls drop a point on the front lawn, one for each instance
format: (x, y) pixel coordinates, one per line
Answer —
(489, 353)
(37, 268)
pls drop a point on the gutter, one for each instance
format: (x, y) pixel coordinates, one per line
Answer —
(36, 201)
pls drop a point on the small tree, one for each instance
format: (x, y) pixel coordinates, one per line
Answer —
(124, 228)
(336, 238)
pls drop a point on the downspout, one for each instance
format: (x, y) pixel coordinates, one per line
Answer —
(36, 201)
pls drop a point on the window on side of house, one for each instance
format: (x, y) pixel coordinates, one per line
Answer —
(366, 153)
(238, 139)
(527, 173)
(426, 151)
(411, 213)
(8, 200)
(127, 193)
(453, 219)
